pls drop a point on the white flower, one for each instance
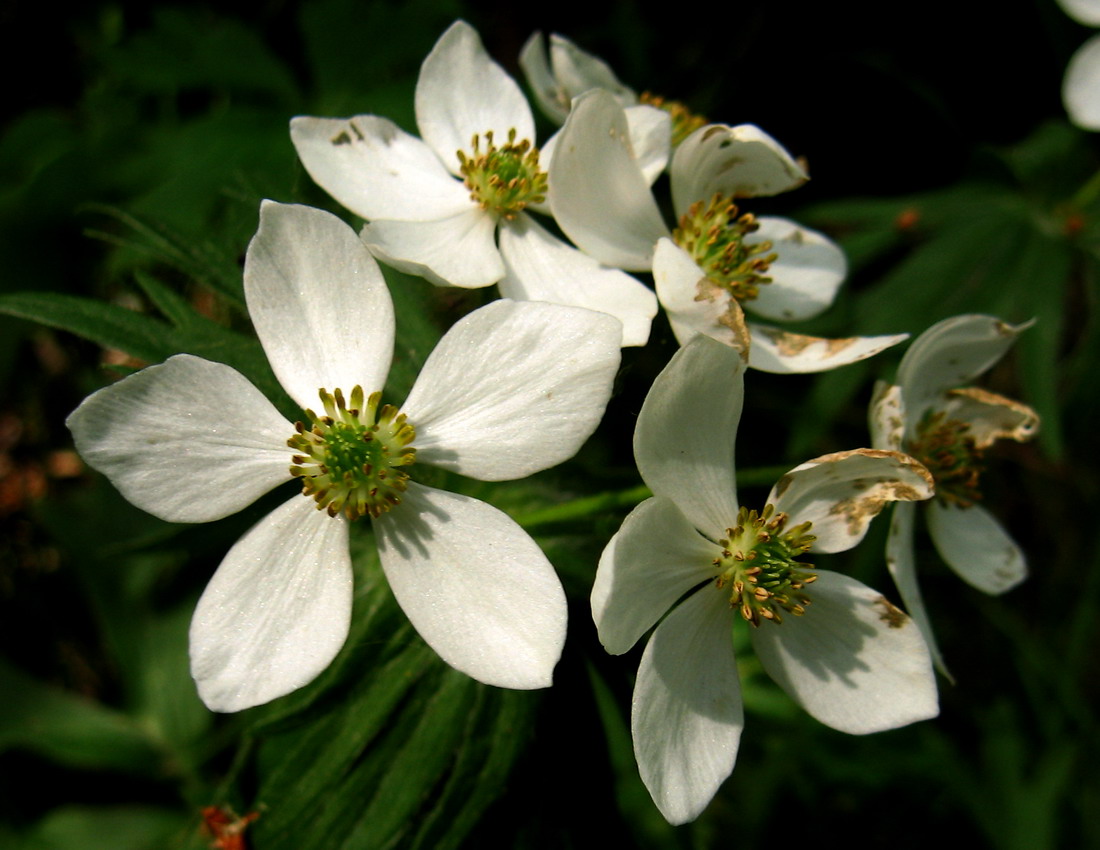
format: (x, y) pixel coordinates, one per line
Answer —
(511, 389)
(841, 651)
(436, 206)
(946, 426)
(717, 261)
(1081, 85)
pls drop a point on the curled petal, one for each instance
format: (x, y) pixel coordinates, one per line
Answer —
(514, 388)
(779, 351)
(991, 417)
(693, 303)
(976, 547)
(949, 354)
(900, 561)
(841, 493)
(475, 585)
(598, 192)
(188, 441)
(887, 417)
(462, 92)
(539, 267)
(376, 169)
(1081, 85)
(277, 610)
(456, 251)
(551, 97)
(806, 274)
(687, 717)
(853, 660)
(651, 138)
(654, 559)
(684, 439)
(568, 72)
(738, 162)
(319, 303)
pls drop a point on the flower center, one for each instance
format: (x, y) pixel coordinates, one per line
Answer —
(758, 563)
(350, 459)
(684, 121)
(946, 447)
(503, 180)
(714, 234)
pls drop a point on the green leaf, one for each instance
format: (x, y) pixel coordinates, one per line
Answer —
(116, 827)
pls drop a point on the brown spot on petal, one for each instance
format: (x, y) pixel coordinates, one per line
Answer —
(891, 615)
(791, 344)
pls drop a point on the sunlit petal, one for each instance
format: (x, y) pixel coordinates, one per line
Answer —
(976, 546)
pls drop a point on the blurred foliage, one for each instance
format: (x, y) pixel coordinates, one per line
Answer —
(130, 187)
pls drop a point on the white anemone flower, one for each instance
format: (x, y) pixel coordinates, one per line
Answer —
(930, 414)
(511, 389)
(717, 263)
(837, 647)
(451, 205)
(1081, 84)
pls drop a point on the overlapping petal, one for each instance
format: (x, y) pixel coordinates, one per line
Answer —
(738, 162)
(376, 169)
(319, 303)
(976, 546)
(513, 388)
(841, 493)
(654, 559)
(276, 611)
(598, 193)
(189, 440)
(808, 271)
(539, 267)
(462, 92)
(853, 661)
(887, 417)
(456, 251)
(684, 439)
(475, 586)
(687, 716)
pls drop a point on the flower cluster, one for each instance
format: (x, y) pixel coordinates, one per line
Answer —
(517, 385)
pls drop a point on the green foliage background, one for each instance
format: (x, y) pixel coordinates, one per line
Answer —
(130, 180)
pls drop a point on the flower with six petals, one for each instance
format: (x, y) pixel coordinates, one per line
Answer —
(511, 389)
(837, 647)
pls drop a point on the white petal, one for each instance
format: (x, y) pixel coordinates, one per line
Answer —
(900, 561)
(188, 441)
(514, 388)
(456, 251)
(552, 99)
(779, 351)
(853, 660)
(738, 162)
(841, 493)
(654, 559)
(949, 354)
(319, 303)
(277, 610)
(991, 417)
(462, 92)
(578, 71)
(684, 439)
(598, 193)
(476, 587)
(887, 417)
(539, 267)
(805, 276)
(687, 717)
(1083, 11)
(1081, 85)
(693, 303)
(376, 169)
(651, 138)
(976, 547)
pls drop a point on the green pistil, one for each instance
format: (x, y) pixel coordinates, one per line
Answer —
(714, 234)
(947, 449)
(758, 564)
(684, 121)
(503, 180)
(350, 459)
